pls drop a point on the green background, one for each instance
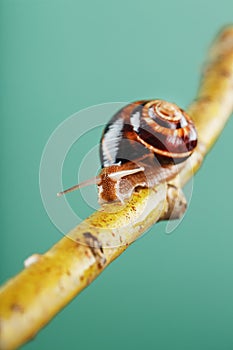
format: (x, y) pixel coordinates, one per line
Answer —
(57, 57)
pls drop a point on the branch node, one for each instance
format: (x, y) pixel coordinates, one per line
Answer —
(32, 260)
(176, 203)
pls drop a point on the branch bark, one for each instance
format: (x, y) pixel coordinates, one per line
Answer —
(30, 300)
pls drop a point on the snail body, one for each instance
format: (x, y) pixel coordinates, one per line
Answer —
(145, 143)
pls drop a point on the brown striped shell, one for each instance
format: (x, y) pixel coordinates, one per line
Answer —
(155, 137)
(144, 127)
(144, 144)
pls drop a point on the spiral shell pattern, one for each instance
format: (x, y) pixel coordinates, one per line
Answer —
(146, 127)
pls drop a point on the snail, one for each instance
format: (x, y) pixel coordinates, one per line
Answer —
(145, 143)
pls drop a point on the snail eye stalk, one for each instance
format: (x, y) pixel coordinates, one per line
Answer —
(93, 181)
(119, 174)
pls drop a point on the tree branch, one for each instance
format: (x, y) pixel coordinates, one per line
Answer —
(29, 300)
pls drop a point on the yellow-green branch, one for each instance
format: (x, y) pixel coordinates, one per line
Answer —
(29, 300)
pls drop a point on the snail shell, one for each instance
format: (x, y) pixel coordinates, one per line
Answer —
(145, 143)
